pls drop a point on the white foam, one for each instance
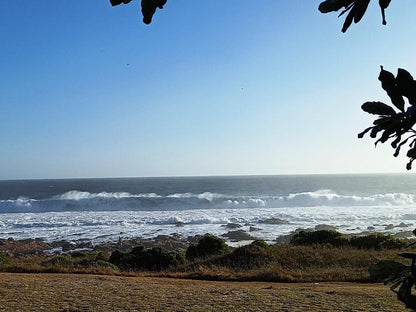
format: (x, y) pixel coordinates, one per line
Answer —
(87, 215)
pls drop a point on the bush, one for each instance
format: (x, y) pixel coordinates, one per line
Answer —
(105, 264)
(78, 254)
(247, 257)
(333, 238)
(140, 258)
(208, 245)
(377, 241)
(322, 237)
(4, 259)
(117, 258)
(59, 261)
(104, 256)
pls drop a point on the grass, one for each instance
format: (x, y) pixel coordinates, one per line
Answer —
(322, 278)
(272, 263)
(71, 292)
(289, 264)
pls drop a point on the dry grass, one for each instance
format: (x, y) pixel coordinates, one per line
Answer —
(289, 264)
(70, 292)
(273, 264)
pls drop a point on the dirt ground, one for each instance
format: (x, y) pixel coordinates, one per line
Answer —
(70, 292)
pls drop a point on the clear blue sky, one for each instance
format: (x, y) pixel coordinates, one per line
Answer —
(209, 88)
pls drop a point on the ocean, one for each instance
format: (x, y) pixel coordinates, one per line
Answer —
(265, 207)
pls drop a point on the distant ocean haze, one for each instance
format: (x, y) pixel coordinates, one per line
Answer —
(265, 207)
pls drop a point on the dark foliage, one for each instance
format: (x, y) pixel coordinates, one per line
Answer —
(140, 258)
(59, 261)
(395, 124)
(247, 257)
(208, 245)
(377, 241)
(355, 8)
(3, 257)
(333, 238)
(385, 269)
(78, 254)
(148, 7)
(322, 237)
(403, 281)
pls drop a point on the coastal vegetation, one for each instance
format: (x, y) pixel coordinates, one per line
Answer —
(311, 256)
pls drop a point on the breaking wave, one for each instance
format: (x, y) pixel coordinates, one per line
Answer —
(123, 201)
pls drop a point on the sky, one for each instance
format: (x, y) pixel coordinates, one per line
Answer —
(235, 87)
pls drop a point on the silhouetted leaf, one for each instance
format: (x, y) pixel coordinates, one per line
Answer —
(411, 153)
(374, 131)
(406, 85)
(383, 5)
(378, 108)
(117, 2)
(396, 141)
(397, 99)
(383, 121)
(397, 152)
(149, 8)
(359, 9)
(361, 134)
(348, 20)
(333, 5)
(356, 8)
(388, 81)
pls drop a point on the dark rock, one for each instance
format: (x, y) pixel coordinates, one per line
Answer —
(385, 269)
(232, 225)
(253, 229)
(284, 239)
(405, 234)
(322, 227)
(238, 235)
(275, 221)
(403, 225)
(194, 239)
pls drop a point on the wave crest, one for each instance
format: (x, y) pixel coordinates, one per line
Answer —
(123, 201)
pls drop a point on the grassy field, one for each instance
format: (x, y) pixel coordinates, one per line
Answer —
(72, 292)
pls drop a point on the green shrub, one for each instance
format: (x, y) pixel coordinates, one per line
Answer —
(208, 245)
(78, 254)
(322, 237)
(140, 258)
(59, 261)
(104, 256)
(105, 264)
(247, 257)
(377, 241)
(333, 238)
(4, 259)
(117, 258)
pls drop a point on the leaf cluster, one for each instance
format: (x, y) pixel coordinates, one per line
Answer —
(148, 7)
(355, 8)
(395, 124)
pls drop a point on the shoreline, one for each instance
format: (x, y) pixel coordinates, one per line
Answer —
(174, 241)
(38, 246)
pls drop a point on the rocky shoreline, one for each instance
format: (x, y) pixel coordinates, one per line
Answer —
(236, 236)
(38, 246)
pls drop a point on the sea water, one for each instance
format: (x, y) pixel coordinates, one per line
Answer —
(105, 209)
